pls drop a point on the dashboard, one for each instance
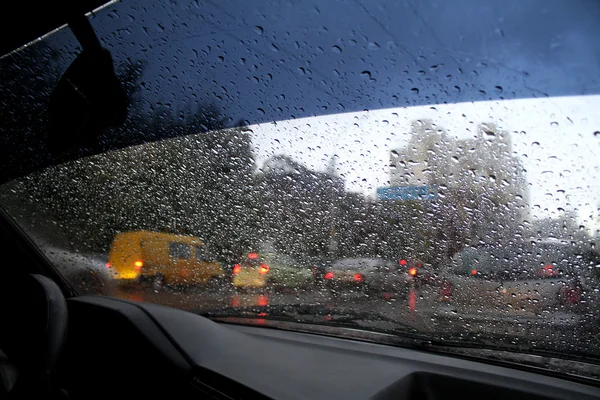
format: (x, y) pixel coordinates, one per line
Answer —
(120, 349)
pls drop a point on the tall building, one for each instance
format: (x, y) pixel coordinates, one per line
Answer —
(424, 160)
(433, 158)
(482, 181)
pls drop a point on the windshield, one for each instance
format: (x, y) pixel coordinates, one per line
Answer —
(321, 154)
(527, 261)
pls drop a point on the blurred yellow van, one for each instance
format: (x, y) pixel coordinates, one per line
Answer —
(162, 258)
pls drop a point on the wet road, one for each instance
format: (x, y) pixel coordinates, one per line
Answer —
(416, 309)
(201, 299)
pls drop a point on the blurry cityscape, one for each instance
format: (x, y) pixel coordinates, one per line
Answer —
(197, 175)
(444, 194)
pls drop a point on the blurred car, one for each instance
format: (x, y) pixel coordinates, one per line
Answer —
(367, 274)
(533, 283)
(162, 258)
(251, 273)
(287, 272)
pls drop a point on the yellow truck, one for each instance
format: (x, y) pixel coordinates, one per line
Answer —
(162, 258)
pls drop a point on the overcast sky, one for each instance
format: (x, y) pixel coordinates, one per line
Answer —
(553, 137)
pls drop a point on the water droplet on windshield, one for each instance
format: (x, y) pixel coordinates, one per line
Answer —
(336, 49)
(415, 90)
(366, 74)
(597, 133)
(374, 46)
(553, 123)
(259, 30)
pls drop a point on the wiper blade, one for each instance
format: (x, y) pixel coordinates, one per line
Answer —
(318, 314)
(490, 343)
(400, 333)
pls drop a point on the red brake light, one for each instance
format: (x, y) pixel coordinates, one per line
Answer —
(446, 289)
(359, 277)
(473, 272)
(107, 265)
(412, 271)
(328, 275)
(236, 269)
(572, 295)
(549, 270)
(264, 268)
(263, 300)
(402, 262)
(253, 256)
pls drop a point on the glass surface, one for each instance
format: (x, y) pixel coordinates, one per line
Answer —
(432, 164)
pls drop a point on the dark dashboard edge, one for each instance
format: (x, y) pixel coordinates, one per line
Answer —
(193, 379)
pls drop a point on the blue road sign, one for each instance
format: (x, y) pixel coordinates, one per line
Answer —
(406, 193)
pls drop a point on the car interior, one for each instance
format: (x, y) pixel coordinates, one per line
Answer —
(59, 345)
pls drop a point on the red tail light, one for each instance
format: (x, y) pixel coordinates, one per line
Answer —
(264, 268)
(549, 271)
(412, 272)
(446, 289)
(328, 275)
(473, 272)
(263, 300)
(359, 277)
(571, 295)
(402, 262)
(253, 256)
(236, 269)
(107, 265)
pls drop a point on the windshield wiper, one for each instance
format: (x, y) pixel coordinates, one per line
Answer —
(389, 331)
(318, 314)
